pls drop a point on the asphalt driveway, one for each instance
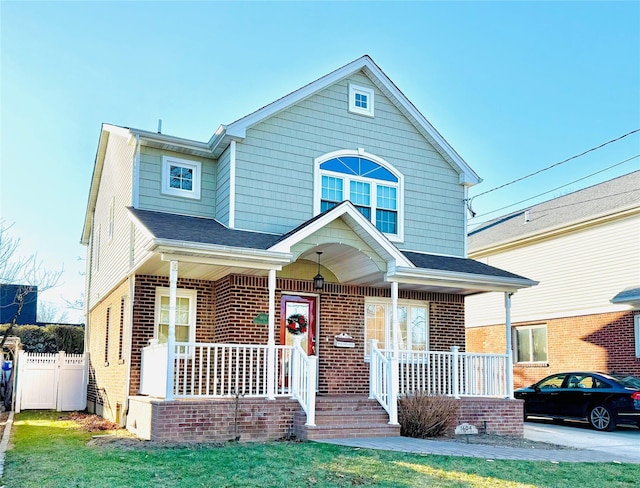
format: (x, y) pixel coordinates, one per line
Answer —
(623, 441)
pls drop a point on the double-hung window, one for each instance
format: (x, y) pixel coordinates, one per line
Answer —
(373, 186)
(185, 315)
(181, 177)
(531, 344)
(413, 325)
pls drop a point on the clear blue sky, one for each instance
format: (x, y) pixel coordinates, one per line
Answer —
(513, 86)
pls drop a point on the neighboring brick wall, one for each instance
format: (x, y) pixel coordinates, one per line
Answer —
(215, 420)
(600, 342)
(497, 416)
(107, 375)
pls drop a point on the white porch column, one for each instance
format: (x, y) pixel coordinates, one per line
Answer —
(395, 377)
(171, 334)
(507, 306)
(271, 343)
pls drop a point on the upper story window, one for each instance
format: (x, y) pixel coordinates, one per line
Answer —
(361, 100)
(181, 177)
(370, 183)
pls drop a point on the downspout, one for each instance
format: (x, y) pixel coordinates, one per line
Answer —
(127, 351)
(507, 306)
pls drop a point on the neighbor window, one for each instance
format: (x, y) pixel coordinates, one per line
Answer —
(531, 344)
(360, 100)
(185, 315)
(412, 324)
(181, 177)
(373, 187)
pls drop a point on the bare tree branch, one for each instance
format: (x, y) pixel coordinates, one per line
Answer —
(27, 272)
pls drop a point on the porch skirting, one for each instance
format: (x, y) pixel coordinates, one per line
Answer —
(211, 420)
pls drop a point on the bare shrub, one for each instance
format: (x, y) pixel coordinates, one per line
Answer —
(423, 415)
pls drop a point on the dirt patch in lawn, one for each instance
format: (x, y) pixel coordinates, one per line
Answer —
(502, 441)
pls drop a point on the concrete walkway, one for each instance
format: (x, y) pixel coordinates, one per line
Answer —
(6, 433)
(448, 448)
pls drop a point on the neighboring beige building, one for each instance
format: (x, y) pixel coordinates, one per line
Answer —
(584, 249)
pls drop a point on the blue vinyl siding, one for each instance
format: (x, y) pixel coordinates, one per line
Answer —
(151, 196)
(274, 169)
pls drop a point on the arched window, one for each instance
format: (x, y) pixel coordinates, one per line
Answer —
(370, 183)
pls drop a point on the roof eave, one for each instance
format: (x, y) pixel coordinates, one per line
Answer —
(454, 279)
(237, 130)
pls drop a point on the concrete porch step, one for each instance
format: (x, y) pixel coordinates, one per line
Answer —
(345, 416)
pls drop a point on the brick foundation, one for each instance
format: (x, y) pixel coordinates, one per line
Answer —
(496, 416)
(211, 420)
(262, 420)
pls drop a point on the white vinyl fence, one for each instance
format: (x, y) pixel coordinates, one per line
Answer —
(51, 381)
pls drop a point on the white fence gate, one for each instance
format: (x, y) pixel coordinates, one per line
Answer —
(51, 381)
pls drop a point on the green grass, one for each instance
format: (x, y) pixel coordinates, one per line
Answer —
(49, 452)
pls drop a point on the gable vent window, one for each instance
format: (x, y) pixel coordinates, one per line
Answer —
(180, 177)
(360, 100)
(373, 186)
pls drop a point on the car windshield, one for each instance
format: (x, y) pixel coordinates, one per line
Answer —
(629, 381)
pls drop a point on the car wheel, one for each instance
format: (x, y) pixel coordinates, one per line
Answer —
(601, 418)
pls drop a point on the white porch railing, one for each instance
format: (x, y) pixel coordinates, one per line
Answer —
(381, 380)
(450, 373)
(303, 379)
(203, 370)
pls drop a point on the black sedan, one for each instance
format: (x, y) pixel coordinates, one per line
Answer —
(603, 400)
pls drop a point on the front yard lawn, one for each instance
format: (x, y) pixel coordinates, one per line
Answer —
(50, 449)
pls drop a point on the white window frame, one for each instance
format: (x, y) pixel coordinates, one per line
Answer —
(374, 183)
(530, 328)
(388, 330)
(192, 295)
(361, 90)
(636, 333)
(195, 166)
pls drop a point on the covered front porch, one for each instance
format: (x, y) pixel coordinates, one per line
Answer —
(240, 356)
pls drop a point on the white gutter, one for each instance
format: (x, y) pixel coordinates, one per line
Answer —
(457, 280)
(169, 246)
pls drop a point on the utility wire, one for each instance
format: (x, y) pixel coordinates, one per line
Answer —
(557, 164)
(555, 189)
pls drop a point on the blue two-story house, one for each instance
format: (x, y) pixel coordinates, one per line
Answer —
(307, 261)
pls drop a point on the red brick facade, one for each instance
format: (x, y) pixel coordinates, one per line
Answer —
(226, 310)
(600, 342)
